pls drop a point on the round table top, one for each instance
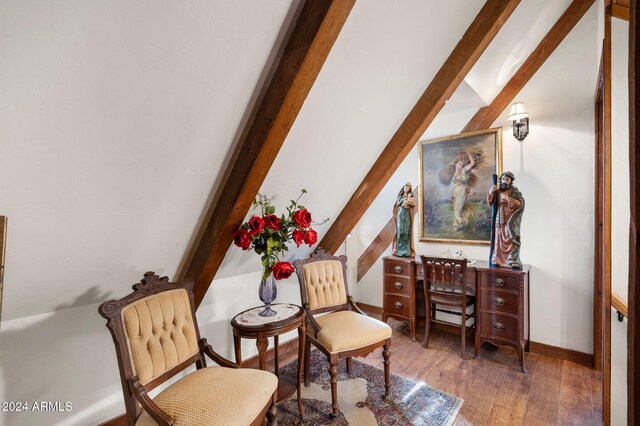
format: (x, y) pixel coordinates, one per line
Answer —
(250, 317)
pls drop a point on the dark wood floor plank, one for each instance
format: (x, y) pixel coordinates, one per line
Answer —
(512, 399)
(575, 406)
(596, 397)
(542, 406)
(553, 392)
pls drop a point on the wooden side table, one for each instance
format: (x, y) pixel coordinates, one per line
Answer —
(249, 325)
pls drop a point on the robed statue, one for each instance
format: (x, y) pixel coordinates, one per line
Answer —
(507, 205)
(403, 210)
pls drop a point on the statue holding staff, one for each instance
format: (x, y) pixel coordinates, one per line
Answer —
(508, 203)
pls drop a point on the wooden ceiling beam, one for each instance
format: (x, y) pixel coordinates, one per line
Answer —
(621, 12)
(311, 40)
(484, 27)
(485, 117)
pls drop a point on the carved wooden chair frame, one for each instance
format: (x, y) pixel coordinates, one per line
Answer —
(320, 255)
(135, 394)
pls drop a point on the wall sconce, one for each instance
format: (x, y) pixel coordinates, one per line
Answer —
(520, 119)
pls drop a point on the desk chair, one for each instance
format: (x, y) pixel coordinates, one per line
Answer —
(444, 285)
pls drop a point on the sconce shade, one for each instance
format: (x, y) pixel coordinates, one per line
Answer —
(517, 111)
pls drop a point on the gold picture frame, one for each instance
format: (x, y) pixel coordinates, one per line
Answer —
(455, 177)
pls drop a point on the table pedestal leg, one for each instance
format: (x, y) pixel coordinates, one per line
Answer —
(262, 343)
(301, 348)
(237, 349)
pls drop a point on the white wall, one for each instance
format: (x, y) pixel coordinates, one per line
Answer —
(117, 118)
(620, 204)
(554, 169)
(68, 355)
(620, 212)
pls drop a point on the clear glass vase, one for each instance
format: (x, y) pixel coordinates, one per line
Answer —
(267, 292)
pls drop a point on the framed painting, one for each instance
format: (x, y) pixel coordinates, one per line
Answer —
(455, 177)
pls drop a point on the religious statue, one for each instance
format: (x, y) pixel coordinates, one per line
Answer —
(403, 218)
(508, 204)
(460, 171)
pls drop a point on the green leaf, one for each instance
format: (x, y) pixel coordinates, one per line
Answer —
(270, 210)
(304, 191)
(301, 207)
(271, 244)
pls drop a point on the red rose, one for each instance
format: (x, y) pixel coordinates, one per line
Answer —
(282, 270)
(302, 218)
(311, 238)
(242, 239)
(298, 237)
(272, 221)
(255, 225)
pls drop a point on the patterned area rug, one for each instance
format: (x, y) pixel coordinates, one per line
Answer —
(360, 398)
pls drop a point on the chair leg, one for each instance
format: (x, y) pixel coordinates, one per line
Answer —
(333, 372)
(463, 331)
(427, 326)
(307, 368)
(386, 353)
(476, 338)
(349, 364)
(272, 412)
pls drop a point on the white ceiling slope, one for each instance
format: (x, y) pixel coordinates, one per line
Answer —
(118, 119)
(519, 36)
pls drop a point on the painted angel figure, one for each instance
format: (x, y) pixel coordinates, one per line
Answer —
(460, 171)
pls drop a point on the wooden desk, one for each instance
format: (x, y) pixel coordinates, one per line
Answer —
(502, 300)
(249, 326)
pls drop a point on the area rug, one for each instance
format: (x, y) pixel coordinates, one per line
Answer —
(360, 398)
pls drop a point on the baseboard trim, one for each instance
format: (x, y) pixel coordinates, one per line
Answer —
(539, 348)
(253, 362)
(566, 354)
(376, 310)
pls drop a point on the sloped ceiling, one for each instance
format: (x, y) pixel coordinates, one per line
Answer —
(119, 117)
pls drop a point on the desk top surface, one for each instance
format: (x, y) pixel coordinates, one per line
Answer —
(478, 264)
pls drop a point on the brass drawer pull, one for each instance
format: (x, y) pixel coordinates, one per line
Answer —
(498, 326)
(398, 305)
(499, 301)
(397, 285)
(499, 282)
(397, 269)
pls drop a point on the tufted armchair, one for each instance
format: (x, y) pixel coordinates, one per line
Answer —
(344, 331)
(156, 335)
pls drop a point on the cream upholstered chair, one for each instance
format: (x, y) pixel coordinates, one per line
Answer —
(344, 331)
(156, 335)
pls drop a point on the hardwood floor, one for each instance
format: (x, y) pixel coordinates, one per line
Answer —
(493, 388)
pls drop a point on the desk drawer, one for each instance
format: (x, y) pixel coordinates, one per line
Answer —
(499, 325)
(398, 305)
(499, 281)
(499, 301)
(394, 284)
(398, 268)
